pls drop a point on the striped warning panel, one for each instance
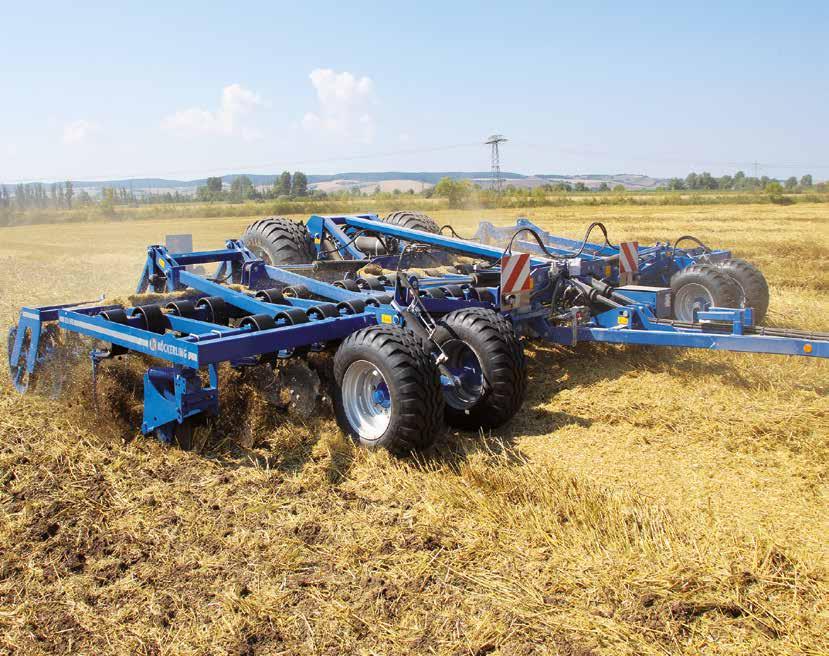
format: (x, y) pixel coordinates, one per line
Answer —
(629, 257)
(515, 274)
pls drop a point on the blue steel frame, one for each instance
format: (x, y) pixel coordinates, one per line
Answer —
(175, 393)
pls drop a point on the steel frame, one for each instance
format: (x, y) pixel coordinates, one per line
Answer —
(175, 393)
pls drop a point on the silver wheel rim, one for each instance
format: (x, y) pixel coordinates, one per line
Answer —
(366, 400)
(690, 297)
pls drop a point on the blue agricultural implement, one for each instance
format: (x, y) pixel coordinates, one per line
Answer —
(425, 327)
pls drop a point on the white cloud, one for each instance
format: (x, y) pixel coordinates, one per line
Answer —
(404, 137)
(229, 120)
(344, 103)
(77, 132)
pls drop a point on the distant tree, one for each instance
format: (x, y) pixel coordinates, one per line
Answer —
(68, 194)
(773, 188)
(580, 186)
(619, 188)
(108, 199)
(20, 197)
(299, 184)
(726, 182)
(455, 191)
(691, 181)
(806, 181)
(604, 187)
(791, 183)
(241, 188)
(739, 180)
(676, 184)
(214, 185)
(282, 185)
(706, 181)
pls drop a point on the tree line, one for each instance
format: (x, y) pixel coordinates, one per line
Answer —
(738, 182)
(242, 188)
(58, 195)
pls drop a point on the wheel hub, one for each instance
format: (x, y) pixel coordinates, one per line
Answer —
(366, 400)
(466, 386)
(689, 298)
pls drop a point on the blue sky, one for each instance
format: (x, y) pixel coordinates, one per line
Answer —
(189, 89)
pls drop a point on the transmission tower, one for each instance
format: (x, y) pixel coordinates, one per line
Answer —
(493, 141)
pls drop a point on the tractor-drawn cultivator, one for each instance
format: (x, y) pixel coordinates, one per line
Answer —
(426, 327)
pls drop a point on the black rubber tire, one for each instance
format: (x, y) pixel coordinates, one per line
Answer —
(371, 283)
(412, 220)
(216, 309)
(258, 322)
(297, 291)
(492, 338)
(278, 240)
(355, 306)
(322, 311)
(347, 283)
(754, 290)
(271, 296)
(723, 290)
(434, 292)
(379, 299)
(152, 318)
(182, 308)
(412, 379)
(115, 315)
(455, 291)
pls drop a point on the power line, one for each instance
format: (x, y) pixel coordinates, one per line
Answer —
(282, 164)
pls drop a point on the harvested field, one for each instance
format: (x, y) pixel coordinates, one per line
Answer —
(645, 501)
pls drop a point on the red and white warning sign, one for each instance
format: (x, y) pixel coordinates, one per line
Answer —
(515, 274)
(629, 257)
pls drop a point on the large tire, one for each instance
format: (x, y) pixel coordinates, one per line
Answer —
(412, 220)
(278, 241)
(387, 391)
(699, 287)
(754, 290)
(487, 355)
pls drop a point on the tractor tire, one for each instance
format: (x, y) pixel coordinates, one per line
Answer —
(278, 240)
(412, 220)
(387, 391)
(699, 287)
(487, 356)
(754, 290)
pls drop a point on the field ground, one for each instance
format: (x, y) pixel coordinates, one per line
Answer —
(644, 502)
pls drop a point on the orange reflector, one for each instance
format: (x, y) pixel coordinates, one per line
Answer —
(807, 348)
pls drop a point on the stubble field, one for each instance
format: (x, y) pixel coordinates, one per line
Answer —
(644, 501)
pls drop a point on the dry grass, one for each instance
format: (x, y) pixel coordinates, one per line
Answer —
(644, 502)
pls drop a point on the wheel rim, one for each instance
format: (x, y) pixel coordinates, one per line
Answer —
(689, 298)
(366, 400)
(464, 364)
